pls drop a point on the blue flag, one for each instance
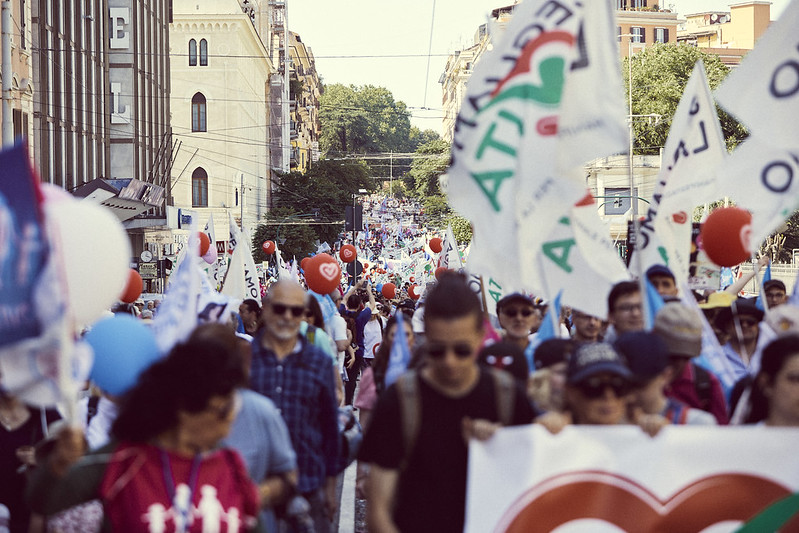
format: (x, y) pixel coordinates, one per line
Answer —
(653, 302)
(760, 302)
(547, 330)
(23, 250)
(400, 353)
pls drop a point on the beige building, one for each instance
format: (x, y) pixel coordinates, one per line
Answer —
(305, 90)
(641, 23)
(220, 119)
(19, 123)
(727, 34)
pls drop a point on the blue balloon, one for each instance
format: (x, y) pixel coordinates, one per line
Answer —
(379, 287)
(123, 348)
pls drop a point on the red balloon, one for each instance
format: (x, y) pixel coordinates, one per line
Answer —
(268, 247)
(412, 279)
(304, 263)
(412, 292)
(436, 244)
(389, 290)
(348, 253)
(205, 243)
(323, 274)
(439, 271)
(133, 288)
(725, 236)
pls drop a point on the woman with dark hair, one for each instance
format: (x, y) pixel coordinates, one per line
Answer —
(774, 398)
(162, 471)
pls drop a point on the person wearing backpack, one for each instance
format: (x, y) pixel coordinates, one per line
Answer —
(416, 442)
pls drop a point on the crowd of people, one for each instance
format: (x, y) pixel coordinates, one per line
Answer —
(237, 428)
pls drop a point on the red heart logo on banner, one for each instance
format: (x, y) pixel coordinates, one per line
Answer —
(632, 507)
(680, 218)
(330, 271)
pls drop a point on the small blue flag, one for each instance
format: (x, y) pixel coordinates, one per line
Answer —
(653, 302)
(760, 303)
(400, 354)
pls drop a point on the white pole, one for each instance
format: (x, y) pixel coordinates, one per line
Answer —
(8, 120)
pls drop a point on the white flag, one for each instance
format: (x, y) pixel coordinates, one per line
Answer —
(763, 92)
(450, 257)
(764, 179)
(242, 278)
(525, 128)
(579, 259)
(213, 268)
(694, 149)
(235, 234)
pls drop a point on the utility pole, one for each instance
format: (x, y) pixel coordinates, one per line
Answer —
(8, 120)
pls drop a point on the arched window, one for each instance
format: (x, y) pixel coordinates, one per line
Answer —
(192, 53)
(199, 188)
(203, 53)
(198, 113)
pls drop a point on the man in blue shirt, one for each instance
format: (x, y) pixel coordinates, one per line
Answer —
(361, 313)
(296, 376)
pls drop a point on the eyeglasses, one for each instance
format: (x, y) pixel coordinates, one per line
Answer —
(628, 308)
(513, 313)
(594, 387)
(439, 351)
(747, 322)
(280, 309)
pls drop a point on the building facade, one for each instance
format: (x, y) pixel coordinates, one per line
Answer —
(727, 34)
(305, 90)
(220, 118)
(18, 124)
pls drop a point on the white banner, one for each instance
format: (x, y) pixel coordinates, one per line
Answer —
(526, 126)
(763, 92)
(611, 479)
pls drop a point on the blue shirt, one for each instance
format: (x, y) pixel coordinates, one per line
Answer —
(303, 389)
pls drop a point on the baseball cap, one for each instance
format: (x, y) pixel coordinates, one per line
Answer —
(680, 327)
(740, 307)
(659, 270)
(646, 353)
(514, 297)
(717, 300)
(551, 352)
(594, 358)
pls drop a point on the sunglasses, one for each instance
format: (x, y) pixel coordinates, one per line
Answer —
(296, 310)
(594, 387)
(462, 351)
(513, 313)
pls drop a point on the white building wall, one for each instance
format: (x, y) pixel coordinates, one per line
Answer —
(234, 149)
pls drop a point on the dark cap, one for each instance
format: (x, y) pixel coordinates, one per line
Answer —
(594, 358)
(551, 352)
(514, 297)
(646, 353)
(505, 356)
(774, 284)
(739, 307)
(659, 270)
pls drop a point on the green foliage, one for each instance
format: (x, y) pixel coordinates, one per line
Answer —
(780, 245)
(324, 192)
(660, 73)
(419, 138)
(299, 240)
(426, 170)
(461, 228)
(362, 120)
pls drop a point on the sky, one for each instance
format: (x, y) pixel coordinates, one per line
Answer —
(386, 42)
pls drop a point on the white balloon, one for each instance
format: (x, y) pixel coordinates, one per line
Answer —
(96, 256)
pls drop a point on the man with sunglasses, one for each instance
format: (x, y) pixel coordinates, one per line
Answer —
(297, 377)
(747, 337)
(518, 317)
(419, 483)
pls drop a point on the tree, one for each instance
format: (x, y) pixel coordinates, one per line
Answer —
(281, 227)
(323, 193)
(419, 138)
(362, 120)
(666, 69)
(426, 170)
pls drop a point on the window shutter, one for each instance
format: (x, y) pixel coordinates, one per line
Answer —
(643, 35)
(666, 35)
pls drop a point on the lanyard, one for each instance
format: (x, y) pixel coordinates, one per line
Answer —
(183, 507)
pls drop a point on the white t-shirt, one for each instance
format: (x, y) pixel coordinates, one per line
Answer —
(98, 432)
(336, 328)
(372, 335)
